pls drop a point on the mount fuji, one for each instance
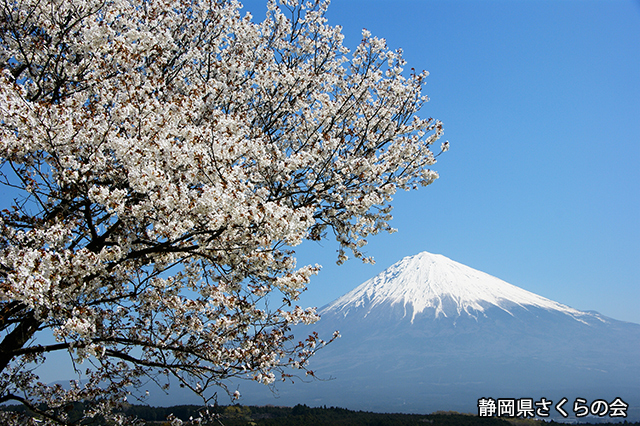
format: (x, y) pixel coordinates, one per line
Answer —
(430, 334)
(433, 286)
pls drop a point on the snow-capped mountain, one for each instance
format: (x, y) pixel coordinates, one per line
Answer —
(432, 334)
(439, 286)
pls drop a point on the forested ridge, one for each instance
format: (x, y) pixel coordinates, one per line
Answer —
(239, 415)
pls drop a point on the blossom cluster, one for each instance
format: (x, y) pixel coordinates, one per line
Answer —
(167, 157)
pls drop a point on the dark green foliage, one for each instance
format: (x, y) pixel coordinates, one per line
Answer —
(310, 416)
(303, 415)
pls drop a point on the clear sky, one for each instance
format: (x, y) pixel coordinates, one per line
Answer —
(540, 101)
(541, 104)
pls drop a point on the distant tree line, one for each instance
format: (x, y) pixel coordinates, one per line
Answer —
(299, 415)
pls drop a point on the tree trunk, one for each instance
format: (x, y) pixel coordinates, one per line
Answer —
(17, 338)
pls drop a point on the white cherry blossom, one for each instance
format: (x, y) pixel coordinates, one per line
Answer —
(166, 158)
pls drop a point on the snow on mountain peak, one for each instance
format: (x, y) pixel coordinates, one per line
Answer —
(426, 280)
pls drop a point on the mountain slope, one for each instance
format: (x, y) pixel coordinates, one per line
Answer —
(432, 334)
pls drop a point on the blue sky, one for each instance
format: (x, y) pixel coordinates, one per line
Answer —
(540, 101)
(541, 104)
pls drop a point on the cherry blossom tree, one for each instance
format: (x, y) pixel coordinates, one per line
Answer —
(164, 158)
